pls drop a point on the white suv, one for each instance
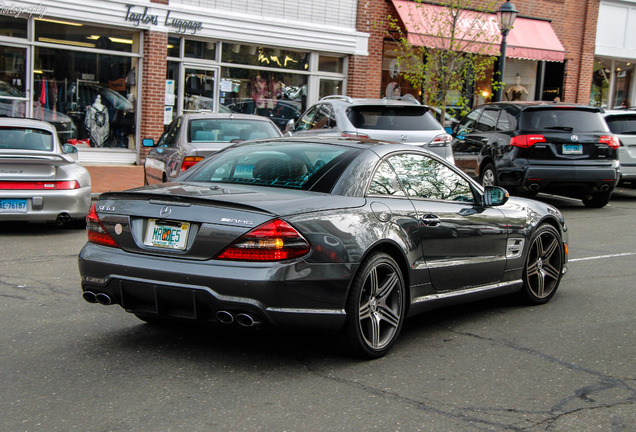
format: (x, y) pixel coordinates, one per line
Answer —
(623, 124)
(401, 120)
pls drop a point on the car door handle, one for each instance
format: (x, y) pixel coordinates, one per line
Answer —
(431, 220)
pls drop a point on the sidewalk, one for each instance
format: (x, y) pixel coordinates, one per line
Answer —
(107, 178)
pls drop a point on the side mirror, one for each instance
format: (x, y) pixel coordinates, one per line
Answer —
(148, 142)
(71, 150)
(289, 126)
(495, 196)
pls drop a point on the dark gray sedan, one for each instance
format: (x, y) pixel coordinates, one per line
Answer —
(336, 234)
(192, 137)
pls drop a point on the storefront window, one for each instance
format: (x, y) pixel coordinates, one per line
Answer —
(612, 74)
(174, 46)
(265, 57)
(200, 50)
(88, 96)
(330, 87)
(10, 26)
(81, 35)
(278, 95)
(330, 64)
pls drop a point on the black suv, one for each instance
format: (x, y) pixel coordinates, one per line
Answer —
(531, 147)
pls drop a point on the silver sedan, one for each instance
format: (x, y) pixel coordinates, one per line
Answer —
(40, 179)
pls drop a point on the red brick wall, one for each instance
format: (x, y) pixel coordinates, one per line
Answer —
(574, 22)
(153, 88)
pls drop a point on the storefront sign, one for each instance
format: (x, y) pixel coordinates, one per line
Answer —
(145, 16)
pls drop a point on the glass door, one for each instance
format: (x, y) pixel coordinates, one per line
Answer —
(200, 89)
(13, 82)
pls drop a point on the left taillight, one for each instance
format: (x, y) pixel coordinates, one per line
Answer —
(275, 240)
(190, 161)
(40, 185)
(96, 232)
(442, 140)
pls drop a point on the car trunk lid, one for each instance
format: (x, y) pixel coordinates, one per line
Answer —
(204, 218)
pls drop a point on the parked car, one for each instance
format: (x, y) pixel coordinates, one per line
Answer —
(40, 179)
(281, 111)
(402, 120)
(623, 124)
(351, 235)
(532, 147)
(192, 137)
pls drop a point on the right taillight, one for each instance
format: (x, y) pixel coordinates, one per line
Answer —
(611, 140)
(525, 141)
(96, 232)
(275, 240)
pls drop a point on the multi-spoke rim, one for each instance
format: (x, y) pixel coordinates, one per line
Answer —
(380, 306)
(545, 262)
(488, 179)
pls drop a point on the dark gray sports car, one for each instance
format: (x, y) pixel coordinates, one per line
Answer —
(332, 234)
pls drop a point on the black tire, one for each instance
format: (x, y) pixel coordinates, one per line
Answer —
(598, 200)
(488, 175)
(544, 265)
(375, 307)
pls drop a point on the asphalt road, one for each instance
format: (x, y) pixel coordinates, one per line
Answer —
(569, 365)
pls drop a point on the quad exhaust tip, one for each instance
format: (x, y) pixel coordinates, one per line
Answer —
(225, 317)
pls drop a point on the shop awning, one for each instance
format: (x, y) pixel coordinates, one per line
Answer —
(430, 25)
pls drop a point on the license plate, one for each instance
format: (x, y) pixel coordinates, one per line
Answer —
(572, 149)
(13, 206)
(167, 234)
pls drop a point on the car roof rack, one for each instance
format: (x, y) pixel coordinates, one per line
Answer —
(406, 98)
(338, 97)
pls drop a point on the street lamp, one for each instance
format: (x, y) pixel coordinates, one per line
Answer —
(506, 16)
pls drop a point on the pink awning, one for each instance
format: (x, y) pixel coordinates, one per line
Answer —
(478, 32)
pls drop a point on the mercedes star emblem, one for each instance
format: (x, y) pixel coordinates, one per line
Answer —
(165, 211)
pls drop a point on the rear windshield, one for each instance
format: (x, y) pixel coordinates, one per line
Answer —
(411, 118)
(622, 124)
(18, 138)
(292, 165)
(569, 120)
(227, 130)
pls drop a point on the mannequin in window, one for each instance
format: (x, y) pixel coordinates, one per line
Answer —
(393, 90)
(97, 122)
(517, 92)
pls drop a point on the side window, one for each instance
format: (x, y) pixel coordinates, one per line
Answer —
(323, 118)
(468, 122)
(385, 182)
(425, 177)
(306, 120)
(169, 137)
(507, 121)
(487, 121)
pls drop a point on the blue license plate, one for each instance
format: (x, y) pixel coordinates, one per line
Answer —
(13, 206)
(572, 149)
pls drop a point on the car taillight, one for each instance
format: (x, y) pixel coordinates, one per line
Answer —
(40, 185)
(610, 140)
(525, 141)
(96, 232)
(353, 134)
(442, 140)
(275, 240)
(190, 161)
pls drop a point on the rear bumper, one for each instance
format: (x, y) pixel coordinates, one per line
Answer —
(294, 294)
(48, 205)
(575, 179)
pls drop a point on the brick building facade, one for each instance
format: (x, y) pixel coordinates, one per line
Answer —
(574, 22)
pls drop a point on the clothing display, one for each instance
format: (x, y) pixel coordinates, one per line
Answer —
(97, 123)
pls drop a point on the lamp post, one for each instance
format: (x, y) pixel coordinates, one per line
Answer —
(506, 16)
